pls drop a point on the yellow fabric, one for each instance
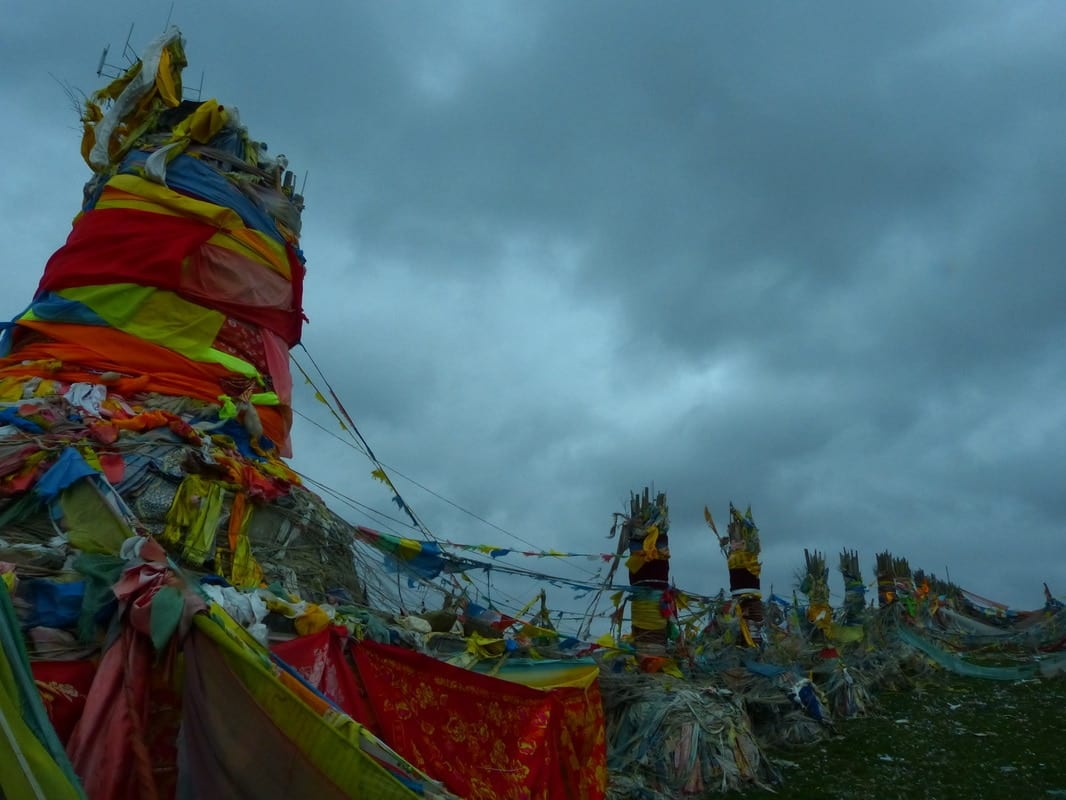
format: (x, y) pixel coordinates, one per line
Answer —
(139, 110)
(745, 559)
(650, 539)
(525, 609)
(90, 115)
(93, 113)
(745, 631)
(26, 768)
(550, 675)
(168, 78)
(118, 85)
(11, 389)
(155, 315)
(647, 615)
(710, 520)
(201, 534)
(483, 647)
(182, 512)
(530, 631)
(845, 633)
(333, 743)
(313, 620)
(204, 123)
(160, 317)
(820, 615)
(194, 516)
(379, 473)
(409, 548)
(176, 203)
(132, 191)
(650, 550)
(670, 667)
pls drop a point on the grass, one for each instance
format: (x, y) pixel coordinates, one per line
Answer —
(950, 738)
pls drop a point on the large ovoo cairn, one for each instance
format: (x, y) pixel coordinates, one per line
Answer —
(146, 388)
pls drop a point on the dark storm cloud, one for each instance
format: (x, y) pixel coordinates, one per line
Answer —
(807, 261)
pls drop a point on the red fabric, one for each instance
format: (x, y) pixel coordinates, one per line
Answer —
(124, 245)
(260, 301)
(485, 738)
(119, 245)
(64, 687)
(244, 341)
(113, 465)
(319, 658)
(124, 747)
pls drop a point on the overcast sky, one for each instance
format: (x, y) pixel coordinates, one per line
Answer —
(807, 257)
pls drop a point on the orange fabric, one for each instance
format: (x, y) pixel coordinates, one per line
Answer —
(236, 518)
(96, 349)
(83, 352)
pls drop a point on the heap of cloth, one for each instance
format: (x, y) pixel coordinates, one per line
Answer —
(180, 616)
(182, 274)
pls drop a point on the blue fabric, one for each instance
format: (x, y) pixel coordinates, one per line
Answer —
(808, 701)
(428, 564)
(69, 467)
(53, 604)
(5, 337)
(766, 670)
(190, 176)
(53, 308)
(242, 440)
(136, 475)
(10, 416)
(291, 670)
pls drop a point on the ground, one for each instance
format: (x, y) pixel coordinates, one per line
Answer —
(948, 738)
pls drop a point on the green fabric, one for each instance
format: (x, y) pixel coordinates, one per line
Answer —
(168, 604)
(22, 508)
(100, 573)
(92, 524)
(953, 663)
(33, 763)
(154, 315)
(334, 744)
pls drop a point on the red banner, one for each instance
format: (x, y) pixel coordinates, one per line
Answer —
(485, 738)
(64, 686)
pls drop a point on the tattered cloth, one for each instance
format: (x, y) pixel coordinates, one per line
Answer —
(320, 660)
